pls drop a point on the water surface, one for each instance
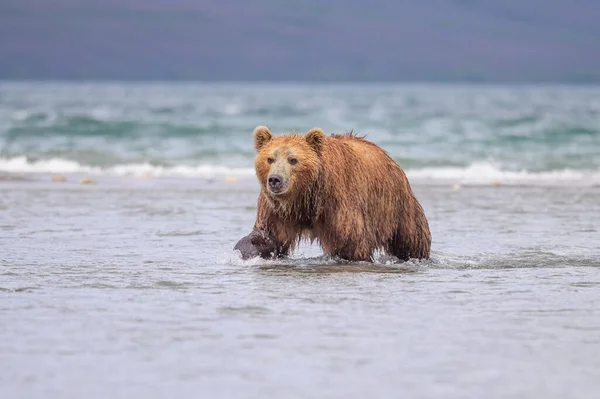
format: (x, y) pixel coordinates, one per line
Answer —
(129, 287)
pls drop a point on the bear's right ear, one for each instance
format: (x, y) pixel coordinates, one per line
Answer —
(262, 135)
(314, 138)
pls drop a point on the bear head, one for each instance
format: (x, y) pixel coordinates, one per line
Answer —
(287, 164)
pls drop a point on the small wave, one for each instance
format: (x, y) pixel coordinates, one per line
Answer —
(58, 165)
(487, 173)
(481, 173)
(21, 164)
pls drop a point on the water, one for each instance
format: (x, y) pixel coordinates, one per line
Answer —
(466, 133)
(129, 287)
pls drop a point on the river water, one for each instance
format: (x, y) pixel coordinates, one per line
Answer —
(129, 287)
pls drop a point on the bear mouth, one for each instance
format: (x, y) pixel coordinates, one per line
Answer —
(280, 190)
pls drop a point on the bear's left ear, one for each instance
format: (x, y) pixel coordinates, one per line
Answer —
(314, 138)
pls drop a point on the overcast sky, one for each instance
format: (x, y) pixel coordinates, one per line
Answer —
(301, 40)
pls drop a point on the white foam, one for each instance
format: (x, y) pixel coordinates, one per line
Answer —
(476, 173)
(55, 165)
(63, 166)
(487, 173)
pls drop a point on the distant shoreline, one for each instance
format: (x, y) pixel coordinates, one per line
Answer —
(438, 83)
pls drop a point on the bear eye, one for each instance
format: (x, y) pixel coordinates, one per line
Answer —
(270, 160)
(293, 161)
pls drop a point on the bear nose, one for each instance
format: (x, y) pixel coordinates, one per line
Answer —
(275, 182)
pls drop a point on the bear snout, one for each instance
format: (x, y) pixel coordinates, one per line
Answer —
(275, 183)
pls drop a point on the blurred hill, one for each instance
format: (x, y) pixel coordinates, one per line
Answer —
(301, 40)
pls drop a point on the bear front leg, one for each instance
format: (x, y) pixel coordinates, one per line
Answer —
(266, 239)
(259, 243)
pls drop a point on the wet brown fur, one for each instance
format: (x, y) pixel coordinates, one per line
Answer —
(345, 192)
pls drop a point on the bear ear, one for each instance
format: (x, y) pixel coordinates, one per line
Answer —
(262, 135)
(315, 137)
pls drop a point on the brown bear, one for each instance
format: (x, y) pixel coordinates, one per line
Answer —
(342, 190)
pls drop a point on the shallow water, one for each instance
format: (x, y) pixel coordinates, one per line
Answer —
(129, 288)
